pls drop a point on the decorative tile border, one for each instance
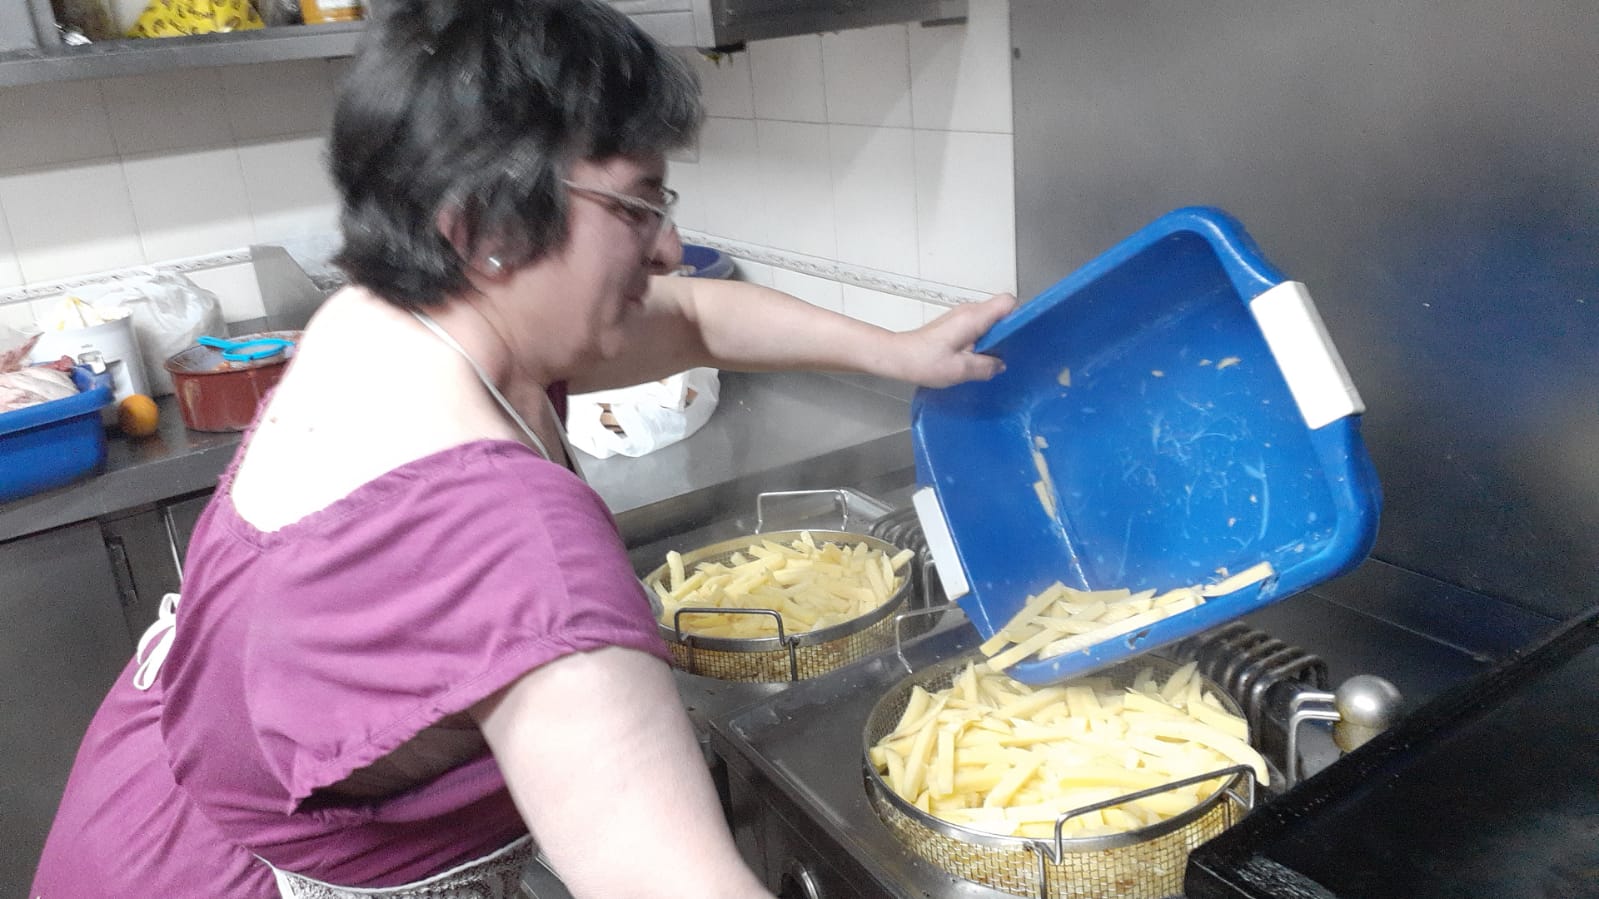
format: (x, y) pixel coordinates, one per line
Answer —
(829, 269)
(844, 273)
(43, 289)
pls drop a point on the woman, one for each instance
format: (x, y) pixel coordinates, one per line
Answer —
(409, 634)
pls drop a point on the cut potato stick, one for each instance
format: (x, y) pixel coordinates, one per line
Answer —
(916, 762)
(1060, 619)
(1251, 575)
(999, 756)
(1115, 629)
(810, 585)
(1012, 781)
(1206, 714)
(1023, 649)
(1033, 608)
(674, 564)
(942, 782)
(1234, 749)
(915, 707)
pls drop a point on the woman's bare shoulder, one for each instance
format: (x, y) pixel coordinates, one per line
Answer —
(364, 396)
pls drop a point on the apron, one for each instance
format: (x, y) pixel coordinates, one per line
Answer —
(497, 875)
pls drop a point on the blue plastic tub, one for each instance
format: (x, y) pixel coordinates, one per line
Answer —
(1192, 418)
(705, 262)
(54, 443)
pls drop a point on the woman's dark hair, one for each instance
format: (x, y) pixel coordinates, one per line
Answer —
(477, 109)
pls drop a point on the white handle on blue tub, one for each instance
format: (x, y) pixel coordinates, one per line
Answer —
(1310, 363)
(930, 512)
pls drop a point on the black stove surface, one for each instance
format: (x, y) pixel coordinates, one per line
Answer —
(804, 744)
(1491, 790)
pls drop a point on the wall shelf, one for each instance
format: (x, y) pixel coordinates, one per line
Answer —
(142, 56)
(30, 51)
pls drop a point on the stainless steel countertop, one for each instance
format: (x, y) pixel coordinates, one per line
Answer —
(770, 431)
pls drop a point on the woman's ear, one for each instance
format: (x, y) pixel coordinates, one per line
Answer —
(486, 263)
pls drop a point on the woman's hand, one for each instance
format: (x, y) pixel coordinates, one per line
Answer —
(939, 353)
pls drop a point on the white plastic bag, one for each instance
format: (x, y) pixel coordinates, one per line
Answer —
(14, 348)
(649, 416)
(169, 312)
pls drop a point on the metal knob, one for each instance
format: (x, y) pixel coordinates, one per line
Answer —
(1366, 705)
(1361, 708)
(799, 882)
(1367, 700)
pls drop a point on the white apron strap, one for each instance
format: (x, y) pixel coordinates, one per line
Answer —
(156, 643)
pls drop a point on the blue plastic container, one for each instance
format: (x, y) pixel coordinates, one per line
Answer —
(1183, 402)
(55, 443)
(705, 262)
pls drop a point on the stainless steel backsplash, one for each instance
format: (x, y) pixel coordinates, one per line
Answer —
(1430, 169)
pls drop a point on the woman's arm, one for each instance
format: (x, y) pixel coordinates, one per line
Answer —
(745, 327)
(604, 766)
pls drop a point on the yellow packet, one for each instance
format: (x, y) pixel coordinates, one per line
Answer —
(169, 18)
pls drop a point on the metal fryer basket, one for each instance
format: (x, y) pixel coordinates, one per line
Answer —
(787, 656)
(1147, 863)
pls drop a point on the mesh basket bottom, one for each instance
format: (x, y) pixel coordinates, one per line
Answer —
(1151, 869)
(772, 666)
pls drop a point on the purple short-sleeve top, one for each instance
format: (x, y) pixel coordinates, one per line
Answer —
(304, 654)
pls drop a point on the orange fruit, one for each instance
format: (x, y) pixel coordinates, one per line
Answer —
(138, 416)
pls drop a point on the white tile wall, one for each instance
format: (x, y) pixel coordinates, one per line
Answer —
(236, 289)
(189, 203)
(788, 79)
(169, 111)
(960, 75)
(725, 85)
(753, 272)
(966, 209)
(730, 179)
(885, 310)
(17, 316)
(684, 177)
(336, 69)
(10, 271)
(290, 192)
(101, 175)
(796, 187)
(917, 179)
(272, 101)
(874, 196)
(71, 220)
(816, 291)
(53, 124)
(866, 74)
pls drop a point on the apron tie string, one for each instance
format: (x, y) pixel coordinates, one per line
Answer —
(156, 643)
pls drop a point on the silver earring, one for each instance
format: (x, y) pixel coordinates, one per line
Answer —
(493, 266)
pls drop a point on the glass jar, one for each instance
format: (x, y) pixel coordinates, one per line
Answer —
(315, 12)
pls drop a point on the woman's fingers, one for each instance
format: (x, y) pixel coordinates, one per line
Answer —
(943, 353)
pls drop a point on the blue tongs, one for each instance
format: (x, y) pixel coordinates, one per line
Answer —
(247, 350)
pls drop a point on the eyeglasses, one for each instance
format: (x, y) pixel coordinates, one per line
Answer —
(650, 219)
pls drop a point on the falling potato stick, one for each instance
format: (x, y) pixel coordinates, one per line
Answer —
(1120, 612)
(1251, 575)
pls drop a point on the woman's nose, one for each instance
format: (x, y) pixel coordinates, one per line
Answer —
(666, 254)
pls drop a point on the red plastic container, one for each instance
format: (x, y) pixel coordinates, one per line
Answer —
(215, 394)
